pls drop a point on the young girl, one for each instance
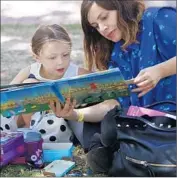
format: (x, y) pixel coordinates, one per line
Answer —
(51, 47)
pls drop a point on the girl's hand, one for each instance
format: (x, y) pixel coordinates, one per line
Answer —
(146, 80)
(65, 111)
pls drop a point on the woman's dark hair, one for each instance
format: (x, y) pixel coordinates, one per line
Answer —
(97, 48)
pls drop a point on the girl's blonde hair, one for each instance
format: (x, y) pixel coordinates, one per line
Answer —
(46, 33)
(97, 48)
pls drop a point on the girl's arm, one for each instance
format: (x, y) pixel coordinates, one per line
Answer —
(93, 113)
(83, 71)
(21, 76)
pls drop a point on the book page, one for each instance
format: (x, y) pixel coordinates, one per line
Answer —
(15, 101)
(94, 88)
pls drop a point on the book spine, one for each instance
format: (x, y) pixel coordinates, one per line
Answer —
(58, 94)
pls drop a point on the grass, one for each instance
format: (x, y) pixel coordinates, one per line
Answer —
(28, 30)
(26, 171)
(19, 171)
(79, 157)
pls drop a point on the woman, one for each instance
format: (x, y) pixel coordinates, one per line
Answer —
(141, 42)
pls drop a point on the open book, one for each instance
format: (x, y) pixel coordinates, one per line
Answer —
(87, 89)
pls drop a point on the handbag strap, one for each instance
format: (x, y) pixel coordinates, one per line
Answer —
(145, 121)
(155, 126)
(160, 103)
(123, 114)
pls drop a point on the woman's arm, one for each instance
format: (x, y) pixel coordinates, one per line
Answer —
(167, 68)
(166, 46)
(21, 76)
(148, 78)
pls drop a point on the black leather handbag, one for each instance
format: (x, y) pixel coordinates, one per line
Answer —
(145, 146)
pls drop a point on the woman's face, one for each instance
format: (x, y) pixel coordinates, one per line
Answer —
(105, 22)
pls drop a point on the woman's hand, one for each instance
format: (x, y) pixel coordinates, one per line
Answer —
(65, 111)
(147, 79)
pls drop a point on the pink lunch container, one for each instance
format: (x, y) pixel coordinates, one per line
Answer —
(12, 146)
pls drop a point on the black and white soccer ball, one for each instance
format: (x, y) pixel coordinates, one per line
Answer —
(8, 124)
(52, 128)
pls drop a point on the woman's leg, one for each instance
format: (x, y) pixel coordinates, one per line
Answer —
(99, 158)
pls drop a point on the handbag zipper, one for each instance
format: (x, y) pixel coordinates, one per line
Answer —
(145, 163)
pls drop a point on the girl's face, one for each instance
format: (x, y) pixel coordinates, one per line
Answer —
(55, 58)
(105, 22)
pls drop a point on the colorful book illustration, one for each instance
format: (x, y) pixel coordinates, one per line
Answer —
(86, 89)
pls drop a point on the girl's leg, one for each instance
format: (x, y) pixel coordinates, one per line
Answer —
(24, 120)
(20, 122)
(77, 129)
(84, 132)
